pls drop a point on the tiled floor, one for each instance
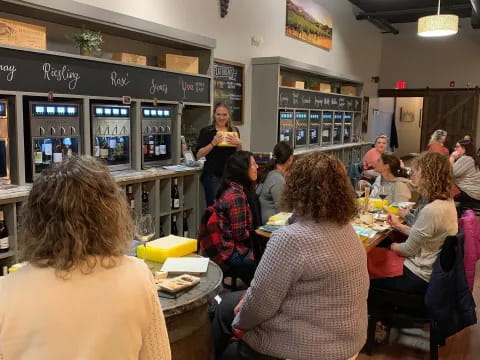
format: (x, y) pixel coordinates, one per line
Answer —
(463, 346)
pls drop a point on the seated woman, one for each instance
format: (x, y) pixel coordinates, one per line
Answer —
(270, 186)
(305, 276)
(437, 142)
(432, 173)
(391, 180)
(371, 157)
(79, 296)
(236, 208)
(466, 173)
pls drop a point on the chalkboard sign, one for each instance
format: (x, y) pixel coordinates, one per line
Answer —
(315, 100)
(229, 81)
(22, 70)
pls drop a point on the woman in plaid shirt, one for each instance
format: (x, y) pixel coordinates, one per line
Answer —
(234, 213)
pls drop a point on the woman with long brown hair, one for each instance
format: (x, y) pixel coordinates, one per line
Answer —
(312, 270)
(433, 176)
(216, 156)
(79, 296)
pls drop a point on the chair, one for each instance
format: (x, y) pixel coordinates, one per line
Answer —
(397, 309)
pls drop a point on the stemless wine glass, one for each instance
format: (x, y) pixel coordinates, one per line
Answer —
(144, 231)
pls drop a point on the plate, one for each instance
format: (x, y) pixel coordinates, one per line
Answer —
(380, 227)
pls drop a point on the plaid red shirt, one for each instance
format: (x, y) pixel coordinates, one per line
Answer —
(235, 220)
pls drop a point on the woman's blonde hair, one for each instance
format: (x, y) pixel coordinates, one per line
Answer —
(437, 135)
(436, 176)
(229, 121)
(317, 187)
(75, 214)
(381, 136)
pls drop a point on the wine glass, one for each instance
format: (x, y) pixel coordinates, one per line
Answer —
(382, 193)
(144, 230)
(360, 188)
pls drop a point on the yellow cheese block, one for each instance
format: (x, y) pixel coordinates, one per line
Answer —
(169, 246)
(378, 203)
(225, 133)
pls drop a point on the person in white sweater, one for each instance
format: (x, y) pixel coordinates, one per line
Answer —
(308, 298)
(79, 297)
(433, 176)
(466, 172)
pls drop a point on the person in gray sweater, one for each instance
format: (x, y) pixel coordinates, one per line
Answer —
(308, 298)
(466, 173)
(270, 185)
(433, 175)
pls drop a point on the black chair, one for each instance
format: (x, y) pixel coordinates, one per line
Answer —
(402, 310)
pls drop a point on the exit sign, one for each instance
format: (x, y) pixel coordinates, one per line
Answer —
(401, 85)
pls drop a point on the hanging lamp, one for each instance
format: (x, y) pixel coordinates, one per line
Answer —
(437, 25)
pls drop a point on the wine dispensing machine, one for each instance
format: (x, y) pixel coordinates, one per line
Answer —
(338, 128)
(4, 156)
(54, 135)
(314, 128)
(347, 127)
(111, 135)
(285, 119)
(156, 135)
(301, 128)
(327, 126)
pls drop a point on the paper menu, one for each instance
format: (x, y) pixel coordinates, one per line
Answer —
(186, 265)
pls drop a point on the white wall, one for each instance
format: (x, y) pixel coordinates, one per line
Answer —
(432, 62)
(356, 45)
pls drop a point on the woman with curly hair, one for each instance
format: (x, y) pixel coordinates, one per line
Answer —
(432, 173)
(79, 296)
(312, 270)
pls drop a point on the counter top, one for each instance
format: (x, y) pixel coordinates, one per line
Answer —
(328, 148)
(17, 193)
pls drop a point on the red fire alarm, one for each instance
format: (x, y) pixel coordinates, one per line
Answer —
(401, 85)
(452, 83)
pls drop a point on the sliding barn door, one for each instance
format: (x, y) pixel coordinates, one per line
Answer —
(453, 111)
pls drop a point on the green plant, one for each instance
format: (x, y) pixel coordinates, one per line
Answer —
(87, 40)
(310, 83)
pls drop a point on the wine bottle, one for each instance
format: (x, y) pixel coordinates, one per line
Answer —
(57, 152)
(121, 147)
(104, 149)
(185, 225)
(174, 225)
(145, 206)
(145, 145)
(157, 145)
(163, 147)
(151, 145)
(130, 197)
(38, 154)
(112, 149)
(48, 152)
(175, 195)
(96, 148)
(162, 234)
(4, 243)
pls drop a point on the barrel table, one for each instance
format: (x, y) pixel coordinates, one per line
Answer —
(187, 319)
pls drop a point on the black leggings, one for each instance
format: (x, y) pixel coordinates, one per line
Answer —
(407, 283)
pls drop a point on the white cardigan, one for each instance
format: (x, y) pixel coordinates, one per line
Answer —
(107, 314)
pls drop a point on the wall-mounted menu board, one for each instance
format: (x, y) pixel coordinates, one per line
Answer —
(22, 70)
(229, 79)
(315, 100)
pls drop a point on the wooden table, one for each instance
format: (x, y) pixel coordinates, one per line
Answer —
(369, 244)
(187, 319)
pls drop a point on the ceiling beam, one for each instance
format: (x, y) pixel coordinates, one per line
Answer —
(432, 10)
(382, 24)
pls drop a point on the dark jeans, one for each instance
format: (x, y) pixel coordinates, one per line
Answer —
(211, 183)
(467, 202)
(407, 283)
(222, 332)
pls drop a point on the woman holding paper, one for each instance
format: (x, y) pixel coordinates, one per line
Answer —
(217, 148)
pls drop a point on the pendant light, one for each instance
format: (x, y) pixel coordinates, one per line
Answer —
(437, 25)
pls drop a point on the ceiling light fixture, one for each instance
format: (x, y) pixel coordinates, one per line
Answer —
(437, 25)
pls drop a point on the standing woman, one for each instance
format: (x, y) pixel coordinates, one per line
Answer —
(270, 186)
(466, 173)
(207, 145)
(437, 142)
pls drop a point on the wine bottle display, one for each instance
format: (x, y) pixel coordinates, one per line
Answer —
(174, 225)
